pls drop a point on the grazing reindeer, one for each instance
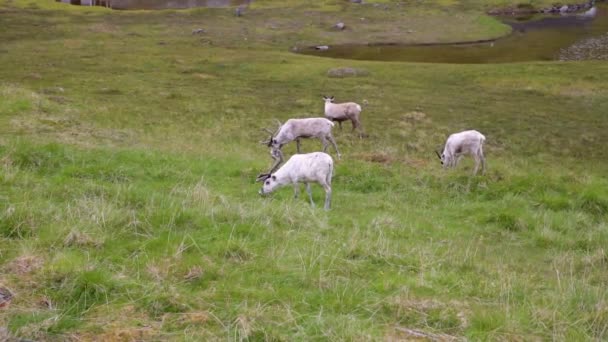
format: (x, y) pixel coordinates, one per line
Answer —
(459, 144)
(342, 112)
(302, 168)
(295, 129)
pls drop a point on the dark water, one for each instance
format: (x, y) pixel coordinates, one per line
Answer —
(538, 38)
(157, 4)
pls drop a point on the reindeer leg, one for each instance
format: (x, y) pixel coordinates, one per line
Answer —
(296, 189)
(333, 142)
(340, 124)
(456, 160)
(483, 161)
(357, 125)
(325, 144)
(327, 196)
(298, 145)
(477, 162)
(309, 191)
(360, 128)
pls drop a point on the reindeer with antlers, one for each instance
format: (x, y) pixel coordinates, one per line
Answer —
(296, 129)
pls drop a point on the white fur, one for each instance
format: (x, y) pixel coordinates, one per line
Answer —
(463, 143)
(303, 168)
(294, 129)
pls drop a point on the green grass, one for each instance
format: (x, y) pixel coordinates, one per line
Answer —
(129, 146)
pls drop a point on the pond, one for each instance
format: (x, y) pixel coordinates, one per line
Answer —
(157, 4)
(537, 38)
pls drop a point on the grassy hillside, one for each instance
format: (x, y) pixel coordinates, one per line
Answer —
(128, 208)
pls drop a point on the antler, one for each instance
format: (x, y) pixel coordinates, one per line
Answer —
(262, 177)
(267, 141)
(438, 155)
(272, 134)
(277, 155)
(280, 124)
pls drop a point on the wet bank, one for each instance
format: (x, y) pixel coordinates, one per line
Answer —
(538, 37)
(156, 4)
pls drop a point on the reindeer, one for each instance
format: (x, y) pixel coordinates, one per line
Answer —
(302, 168)
(460, 144)
(296, 129)
(342, 112)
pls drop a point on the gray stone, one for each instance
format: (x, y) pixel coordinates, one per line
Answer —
(340, 26)
(564, 9)
(198, 31)
(347, 72)
(322, 47)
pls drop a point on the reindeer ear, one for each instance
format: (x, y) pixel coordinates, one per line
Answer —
(332, 97)
(438, 155)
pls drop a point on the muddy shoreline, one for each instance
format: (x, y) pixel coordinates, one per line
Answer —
(525, 9)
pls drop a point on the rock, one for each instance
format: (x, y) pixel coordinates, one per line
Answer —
(239, 11)
(5, 297)
(322, 47)
(347, 72)
(356, 1)
(563, 9)
(198, 31)
(340, 26)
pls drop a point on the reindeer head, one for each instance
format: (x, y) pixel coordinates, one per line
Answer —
(328, 99)
(270, 183)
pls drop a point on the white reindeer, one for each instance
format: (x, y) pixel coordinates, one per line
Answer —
(460, 144)
(302, 168)
(342, 112)
(295, 129)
